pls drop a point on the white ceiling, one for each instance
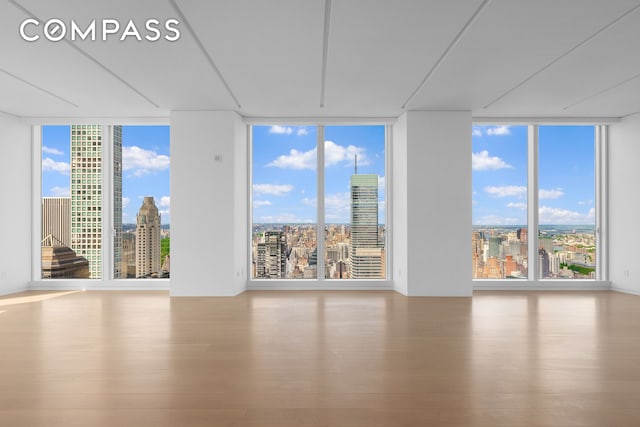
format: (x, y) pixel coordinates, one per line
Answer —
(497, 58)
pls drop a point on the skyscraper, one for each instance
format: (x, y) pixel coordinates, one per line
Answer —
(366, 253)
(56, 219)
(147, 239)
(272, 256)
(117, 203)
(86, 195)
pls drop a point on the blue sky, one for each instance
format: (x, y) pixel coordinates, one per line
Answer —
(145, 159)
(284, 171)
(566, 175)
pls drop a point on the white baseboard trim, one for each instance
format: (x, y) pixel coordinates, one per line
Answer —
(319, 288)
(100, 285)
(625, 291)
(542, 285)
(13, 290)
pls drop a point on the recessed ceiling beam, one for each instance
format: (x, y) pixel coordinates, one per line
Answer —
(446, 52)
(565, 54)
(89, 57)
(325, 50)
(586, 98)
(28, 83)
(204, 51)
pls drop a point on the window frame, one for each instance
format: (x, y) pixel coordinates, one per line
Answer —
(107, 281)
(320, 282)
(533, 282)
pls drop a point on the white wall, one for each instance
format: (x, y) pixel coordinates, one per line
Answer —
(15, 215)
(432, 153)
(624, 204)
(399, 152)
(208, 203)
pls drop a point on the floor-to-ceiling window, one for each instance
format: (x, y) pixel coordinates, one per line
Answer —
(318, 202)
(105, 202)
(535, 201)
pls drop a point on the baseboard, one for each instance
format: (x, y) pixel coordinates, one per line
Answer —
(100, 285)
(13, 290)
(542, 285)
(625, 291)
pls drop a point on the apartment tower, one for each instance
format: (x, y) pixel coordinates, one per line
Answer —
(86, 195)
(147, 239)
(272, 256)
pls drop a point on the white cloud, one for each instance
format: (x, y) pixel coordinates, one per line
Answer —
(499, 131)
(281, 130)
(165, 202)
(519, 205)
(476, 132)
(497, 220)
(302, 131)
(483, 162)
(125, 202)
(260, 203)
(297, 160)
(272, 189)
(506, 191)
(143, 162)
(334, 154)
(585, 202)
(60, 191)
(53, 151)
(50, 165)
(549, 215)
(591, 215)
(550, 194)
(381, 183)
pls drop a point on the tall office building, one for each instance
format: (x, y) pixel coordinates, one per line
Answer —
(56, 220)
(147, 239)
(117, 203)
(272, 256)
(366, 253)
(86, 196)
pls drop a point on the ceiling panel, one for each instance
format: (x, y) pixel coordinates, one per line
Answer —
(511, 41)
(602, 63)
(59, 69)
(270, 53)
(379, 52)
(174, 75)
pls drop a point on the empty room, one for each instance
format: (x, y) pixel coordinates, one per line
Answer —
(319, 213)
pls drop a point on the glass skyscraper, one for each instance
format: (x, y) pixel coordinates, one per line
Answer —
(366, 252)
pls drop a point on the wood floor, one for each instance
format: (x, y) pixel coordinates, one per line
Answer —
(319, 359)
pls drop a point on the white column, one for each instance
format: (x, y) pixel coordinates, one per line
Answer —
(208, 203)
(432, 204)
